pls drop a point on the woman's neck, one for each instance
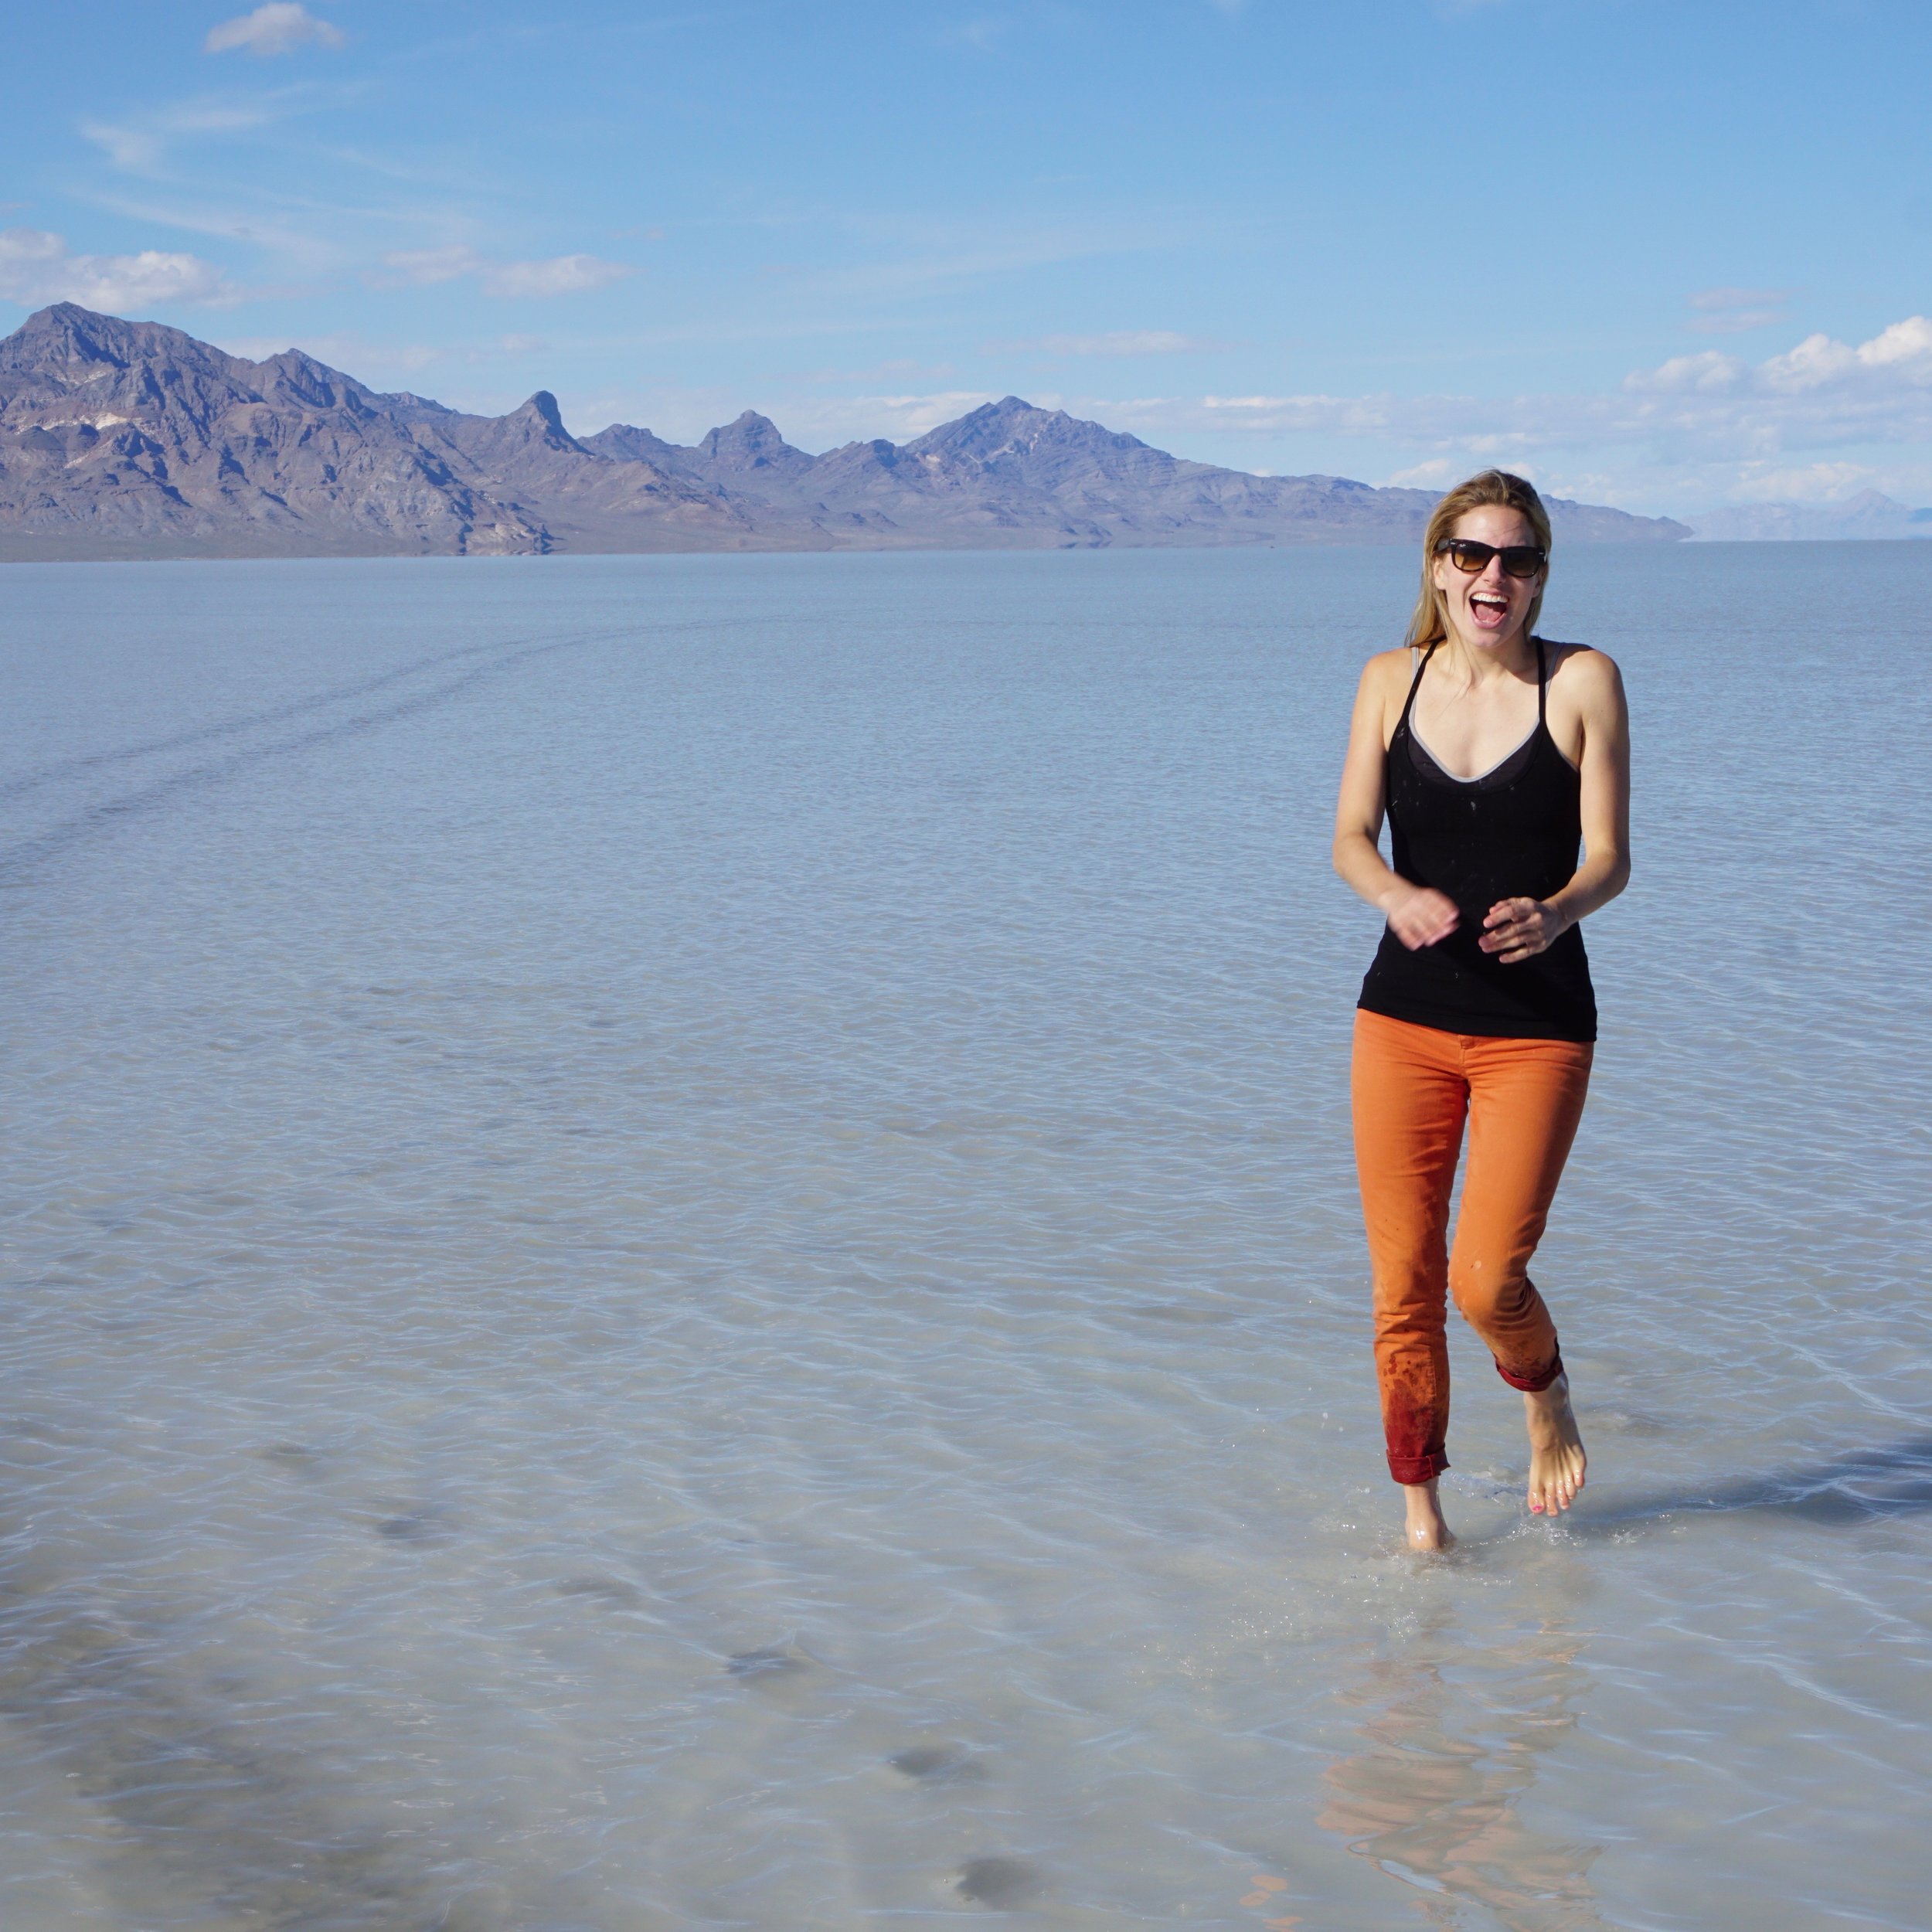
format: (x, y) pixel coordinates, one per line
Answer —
(1476, 665)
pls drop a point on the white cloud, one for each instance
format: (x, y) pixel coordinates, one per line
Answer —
(36, 267)
(1437, 474)
(1821, 391)
(279, 27)
(1819, 395)
(1692, 431)
(560, 275)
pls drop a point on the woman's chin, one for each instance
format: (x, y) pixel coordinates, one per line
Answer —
(1489, 637)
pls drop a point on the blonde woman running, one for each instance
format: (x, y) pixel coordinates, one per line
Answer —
(1502, 763)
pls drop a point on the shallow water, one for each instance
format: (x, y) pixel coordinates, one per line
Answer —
(681, 1252)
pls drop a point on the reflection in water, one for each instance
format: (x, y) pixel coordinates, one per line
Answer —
(1858, 1486)
(1453, 1731)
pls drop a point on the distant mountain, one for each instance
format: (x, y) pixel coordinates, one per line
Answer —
(129, 439)
(1008, 475)
(1868, 515)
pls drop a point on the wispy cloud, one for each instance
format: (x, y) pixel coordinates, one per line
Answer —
(877, 256)
(302, 249)
(1117, 341)
(140, 147)
(37, 267)
(424, 267)
(1730, 311)
(138, 150)
(899, 369)
(559, 275)
(279, 27)
(982, 35)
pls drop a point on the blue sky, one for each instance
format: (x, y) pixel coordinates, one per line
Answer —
(1668, 255)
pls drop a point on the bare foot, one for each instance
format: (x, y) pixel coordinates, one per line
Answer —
(1556, 1455)
(1425, 1528)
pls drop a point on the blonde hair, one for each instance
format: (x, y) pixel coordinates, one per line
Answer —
(1489, 489)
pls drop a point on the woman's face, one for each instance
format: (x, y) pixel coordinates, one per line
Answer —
(1487, 609)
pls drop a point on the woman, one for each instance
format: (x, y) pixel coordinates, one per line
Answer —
(1495, 755)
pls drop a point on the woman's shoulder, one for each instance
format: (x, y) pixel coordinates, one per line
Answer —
(1580, 667)
(1586, 685)
(1390, 667)
(1384, 688)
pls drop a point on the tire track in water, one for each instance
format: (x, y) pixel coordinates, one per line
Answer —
(275, 714)
(19, 860)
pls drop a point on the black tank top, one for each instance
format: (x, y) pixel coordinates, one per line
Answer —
(1515, 832)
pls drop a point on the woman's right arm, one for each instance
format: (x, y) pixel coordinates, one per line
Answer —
(1418, 915)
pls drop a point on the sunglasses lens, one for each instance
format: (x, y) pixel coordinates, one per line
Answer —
(1518, 559)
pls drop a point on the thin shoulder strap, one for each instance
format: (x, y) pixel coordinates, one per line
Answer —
(1415, 685)
(1542, 684)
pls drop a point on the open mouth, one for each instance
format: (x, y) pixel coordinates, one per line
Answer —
(1487, 610)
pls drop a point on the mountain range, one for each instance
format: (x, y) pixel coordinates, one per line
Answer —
(1869, 513)
(124, 439)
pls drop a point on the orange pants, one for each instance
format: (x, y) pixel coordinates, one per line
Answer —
(1412, 1086)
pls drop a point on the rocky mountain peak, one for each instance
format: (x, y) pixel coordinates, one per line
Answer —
(296, 377)
(625, 443)
(1015, 426)
(752, 442)
(541, 417)
(66, 338)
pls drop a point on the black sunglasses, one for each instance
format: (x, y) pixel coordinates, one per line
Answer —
(1518, 559)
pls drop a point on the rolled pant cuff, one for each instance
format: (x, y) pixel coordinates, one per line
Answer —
(1534, 1384)
(1411, 1470)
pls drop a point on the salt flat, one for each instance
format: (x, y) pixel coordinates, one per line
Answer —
(680, 1251)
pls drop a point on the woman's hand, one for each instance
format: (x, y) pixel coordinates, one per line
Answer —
(1520, 928)
(1418, 915)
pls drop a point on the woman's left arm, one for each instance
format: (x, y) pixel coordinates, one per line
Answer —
(1520, 928)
